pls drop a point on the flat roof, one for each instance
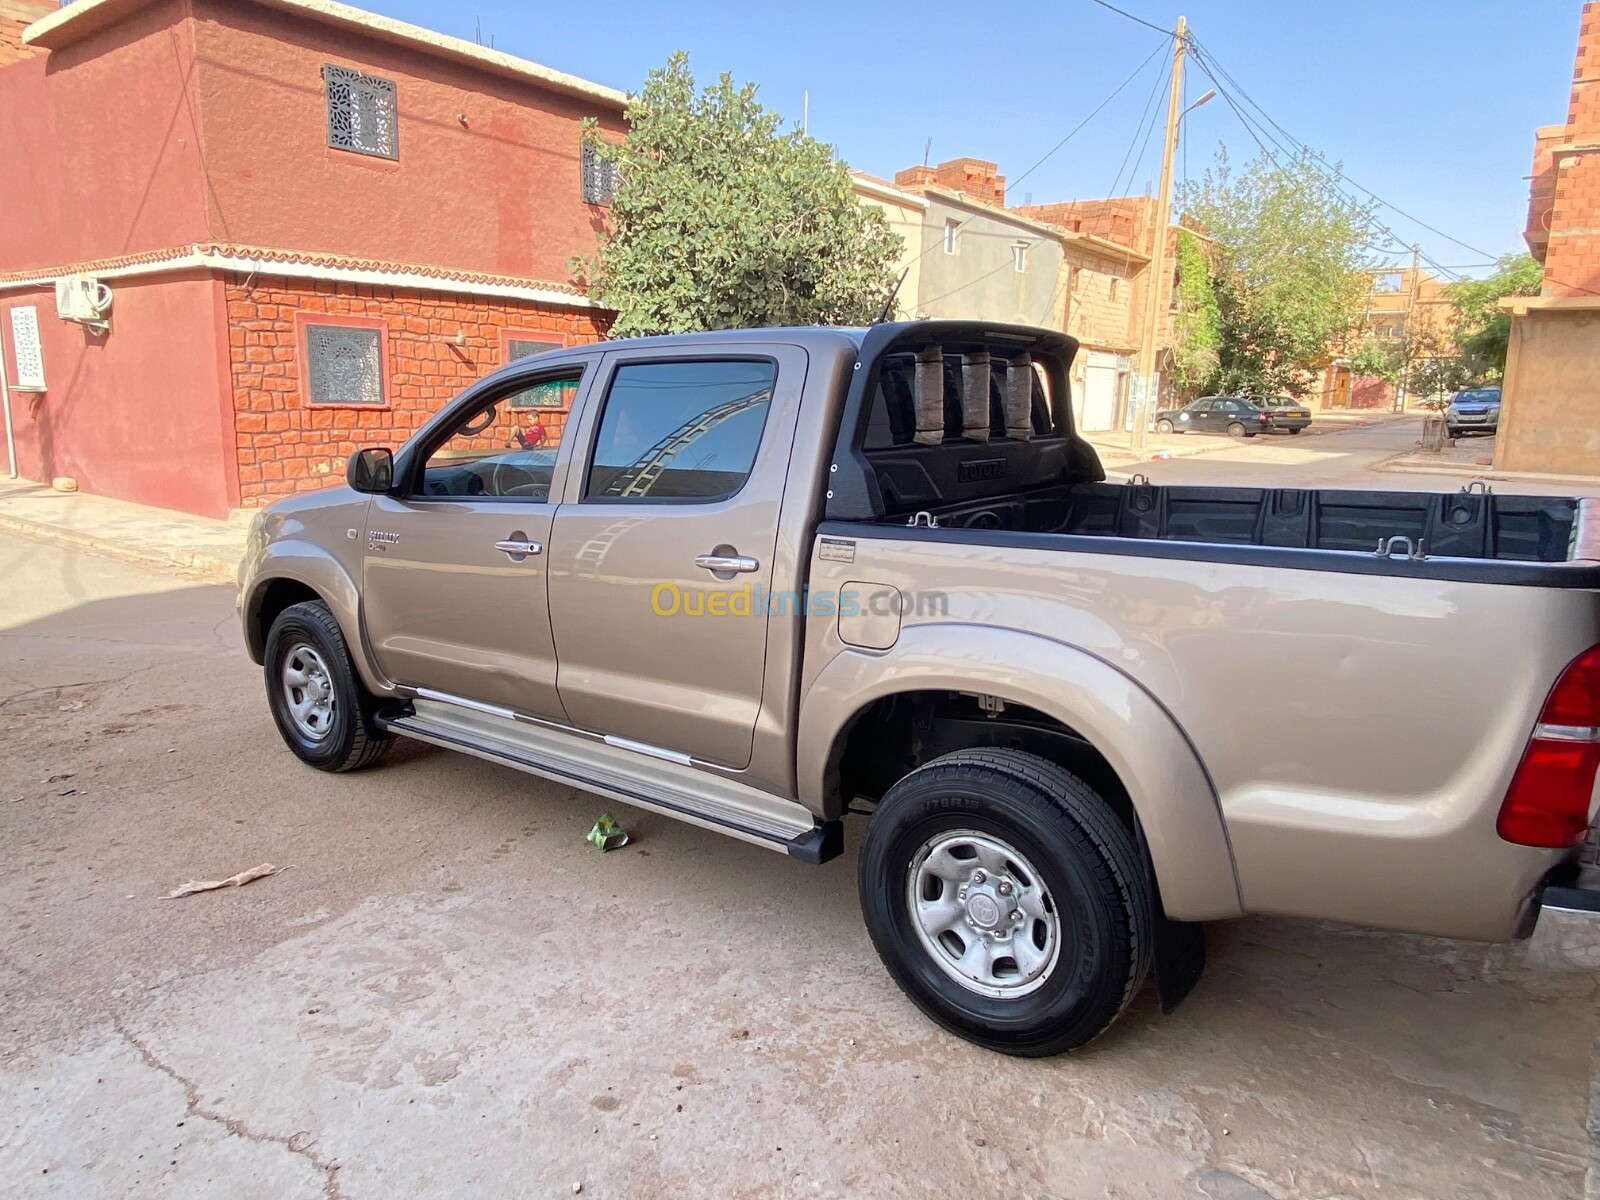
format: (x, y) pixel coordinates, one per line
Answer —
(85, 17)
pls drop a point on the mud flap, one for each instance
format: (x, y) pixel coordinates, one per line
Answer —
(1179, 954)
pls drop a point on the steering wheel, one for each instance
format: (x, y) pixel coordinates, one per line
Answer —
(507, 478)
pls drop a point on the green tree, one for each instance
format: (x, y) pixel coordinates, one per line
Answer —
(1483, 332)
(1199, 322)
(721, 219)
(1288, 248)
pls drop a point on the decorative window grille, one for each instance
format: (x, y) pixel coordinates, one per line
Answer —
(344, 365)
(522, 347)
(30, 357)
(362, 114)
(599, 176)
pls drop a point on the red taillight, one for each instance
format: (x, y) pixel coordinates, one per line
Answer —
(1548, 801)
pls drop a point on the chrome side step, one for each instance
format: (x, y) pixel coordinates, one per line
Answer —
(615, 769)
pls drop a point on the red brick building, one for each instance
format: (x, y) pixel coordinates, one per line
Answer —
(241, 238)
(1550, 413)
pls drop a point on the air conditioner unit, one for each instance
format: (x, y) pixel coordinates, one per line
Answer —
(84, 300)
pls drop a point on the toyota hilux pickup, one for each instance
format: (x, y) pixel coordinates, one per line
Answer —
(765, 579)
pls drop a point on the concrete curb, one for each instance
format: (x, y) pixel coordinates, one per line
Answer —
(216, 568)
(1396, 465)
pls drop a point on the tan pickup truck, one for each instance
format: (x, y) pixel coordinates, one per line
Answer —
(760, 580)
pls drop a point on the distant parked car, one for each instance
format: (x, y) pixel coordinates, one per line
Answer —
(1231, 415)
(1473, 410)
(1285, 411)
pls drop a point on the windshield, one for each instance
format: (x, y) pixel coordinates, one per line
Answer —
(1484, 395)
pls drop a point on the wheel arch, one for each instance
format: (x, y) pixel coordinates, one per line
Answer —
(1058, 701)
(290, 572)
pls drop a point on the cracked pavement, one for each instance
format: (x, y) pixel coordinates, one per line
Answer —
(448, 994)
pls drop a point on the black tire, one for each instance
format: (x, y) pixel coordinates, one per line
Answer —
(1452, 434)
(1298, 429)
(353, 738)
(1084, 856)
(1236, 429)
(1164, 426)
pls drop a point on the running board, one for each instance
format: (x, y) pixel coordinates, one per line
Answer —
(625, 771)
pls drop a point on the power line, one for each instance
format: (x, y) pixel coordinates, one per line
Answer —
(1298, 151)
(1138, 132)
(1206, 57)
(1134, 19)
(1117, 91)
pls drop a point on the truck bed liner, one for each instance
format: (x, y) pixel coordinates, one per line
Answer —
(1464, 524)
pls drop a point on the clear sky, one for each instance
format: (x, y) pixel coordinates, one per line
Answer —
(1431, 104)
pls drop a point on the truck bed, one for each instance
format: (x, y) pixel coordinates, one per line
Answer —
(1466, 524)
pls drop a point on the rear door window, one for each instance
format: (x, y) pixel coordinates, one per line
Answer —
(680, 430)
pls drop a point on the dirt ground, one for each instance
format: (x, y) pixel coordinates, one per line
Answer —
(448, 994)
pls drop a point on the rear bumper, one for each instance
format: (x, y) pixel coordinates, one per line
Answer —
(1290, 422)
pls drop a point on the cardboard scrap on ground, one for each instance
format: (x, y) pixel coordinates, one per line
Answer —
(211, 885)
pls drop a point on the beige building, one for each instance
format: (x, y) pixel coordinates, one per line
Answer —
(966, 255)
(1400, 303)
(1550, 415)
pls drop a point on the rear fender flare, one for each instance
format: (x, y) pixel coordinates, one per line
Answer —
(1179, 817)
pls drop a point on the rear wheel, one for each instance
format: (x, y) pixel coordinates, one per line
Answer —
(1007, 901)
(323, 713)
(1237, 429)
(1297, 429)
(1163, 426)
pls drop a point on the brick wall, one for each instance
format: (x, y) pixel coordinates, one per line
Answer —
(1564, 193)
(1100, 299)
(970, 176)
(286, 445)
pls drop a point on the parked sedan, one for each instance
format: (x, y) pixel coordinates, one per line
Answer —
(1215, 414)
(1473, 410)
(1286, 412)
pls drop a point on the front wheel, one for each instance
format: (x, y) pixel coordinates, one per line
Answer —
(1163, 426)
(1007, 900)
(323, 713)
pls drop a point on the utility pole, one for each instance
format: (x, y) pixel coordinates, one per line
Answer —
(1405, 327)
(1146, 393)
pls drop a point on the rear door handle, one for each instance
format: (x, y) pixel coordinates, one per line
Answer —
(741, 563)
(517, 547)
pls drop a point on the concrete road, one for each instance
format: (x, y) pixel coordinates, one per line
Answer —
(448, 994)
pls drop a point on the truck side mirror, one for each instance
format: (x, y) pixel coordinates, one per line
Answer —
(371, 470)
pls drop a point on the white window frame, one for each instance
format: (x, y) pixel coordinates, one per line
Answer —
(27, 348)
(952, 229)
(1019, 257)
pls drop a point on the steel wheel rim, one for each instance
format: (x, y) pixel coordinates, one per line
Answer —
(983, 914)
(308, 692)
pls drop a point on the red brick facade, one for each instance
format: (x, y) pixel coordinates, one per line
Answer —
(436, 344)
(971, 176)
(1564, 192)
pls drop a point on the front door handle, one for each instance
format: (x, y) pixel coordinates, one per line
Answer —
(517, 547)
(741, 563)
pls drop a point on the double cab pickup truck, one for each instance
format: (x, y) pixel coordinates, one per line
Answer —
(763, 580)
